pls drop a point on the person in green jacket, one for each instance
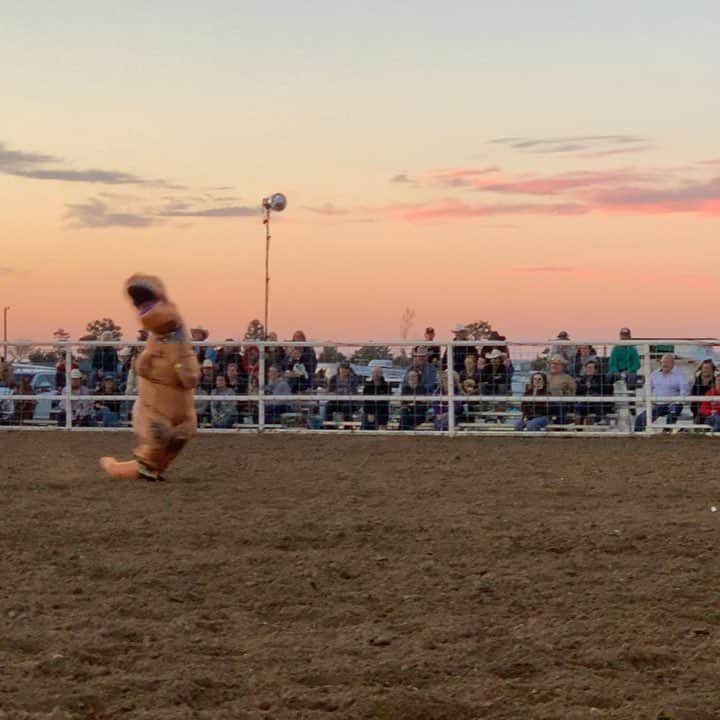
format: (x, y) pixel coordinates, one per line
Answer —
(624, 359)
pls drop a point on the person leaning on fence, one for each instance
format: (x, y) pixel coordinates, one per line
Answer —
(666, 381)
(560, 384)
(535, 407)
(592, 384)
(704, 381)
(709, 412)
(413, 412)
(624, 360)
(375, 412)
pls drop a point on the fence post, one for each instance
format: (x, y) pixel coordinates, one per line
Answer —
(646, 387)
(451, 389)
(261, 387)
(68, 387)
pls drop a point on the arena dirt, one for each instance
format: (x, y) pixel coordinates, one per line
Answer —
(369, 578)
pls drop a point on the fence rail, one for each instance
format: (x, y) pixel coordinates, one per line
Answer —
(451, 409)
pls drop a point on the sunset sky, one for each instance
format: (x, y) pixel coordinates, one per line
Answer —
(540, 165)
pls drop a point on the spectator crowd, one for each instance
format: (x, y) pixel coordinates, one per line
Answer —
(294, 385)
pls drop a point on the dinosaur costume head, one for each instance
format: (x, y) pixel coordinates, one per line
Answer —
(148, 295)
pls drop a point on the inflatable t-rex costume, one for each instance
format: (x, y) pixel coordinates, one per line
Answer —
(164, 413)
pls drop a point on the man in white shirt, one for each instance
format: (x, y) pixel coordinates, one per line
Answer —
(666, 381)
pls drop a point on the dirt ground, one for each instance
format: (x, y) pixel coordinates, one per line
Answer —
(360, 577)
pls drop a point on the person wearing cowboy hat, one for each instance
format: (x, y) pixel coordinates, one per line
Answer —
(200, 334)
(495, 376)
(460, 352)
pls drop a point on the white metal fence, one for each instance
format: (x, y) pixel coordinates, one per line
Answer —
(318, 406)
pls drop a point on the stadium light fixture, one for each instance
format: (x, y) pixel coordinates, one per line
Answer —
(275, 203)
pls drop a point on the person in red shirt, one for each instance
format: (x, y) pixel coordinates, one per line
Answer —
(710, 409)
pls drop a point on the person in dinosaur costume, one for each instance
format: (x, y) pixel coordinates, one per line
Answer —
(163, 415)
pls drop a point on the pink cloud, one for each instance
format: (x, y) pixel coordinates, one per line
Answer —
(701, 198)
(454, 209)
(457, 177)
(558, 184)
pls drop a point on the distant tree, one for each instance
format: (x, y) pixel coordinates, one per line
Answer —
(402, 359)
(479, 330)
(255, 331)
(42, 356)
(61, 337)
(363, 355)
(331, 355)
(97, 327)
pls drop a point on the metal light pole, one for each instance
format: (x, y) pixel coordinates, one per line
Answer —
(276, 202)
(5, 312)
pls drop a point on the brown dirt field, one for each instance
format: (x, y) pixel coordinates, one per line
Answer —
(359, 577)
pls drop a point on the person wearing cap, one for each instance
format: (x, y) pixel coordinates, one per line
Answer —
(566, 351)
(226, 354)
(427, 373)
(81, 409)
(433, 351)
(624, 359)
(460, 352)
